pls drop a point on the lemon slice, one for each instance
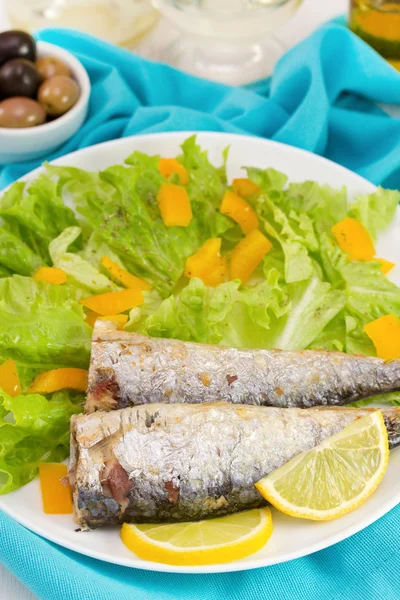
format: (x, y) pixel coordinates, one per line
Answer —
(202, 542)
(333, 478)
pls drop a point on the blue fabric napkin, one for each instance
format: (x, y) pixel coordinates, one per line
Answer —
(322, 97)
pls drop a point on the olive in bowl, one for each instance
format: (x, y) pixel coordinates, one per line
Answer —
(50, 66)
(16, 44)
(58, 95)
(23, 134)
(21, 112)
(19, 77)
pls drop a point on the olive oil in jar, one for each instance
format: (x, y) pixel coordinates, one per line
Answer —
(378, 23)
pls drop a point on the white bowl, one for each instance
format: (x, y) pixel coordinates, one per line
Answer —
(34, 142)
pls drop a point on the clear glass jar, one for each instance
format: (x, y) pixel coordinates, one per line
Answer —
(378, 23)
(226, 40)
(117, 21)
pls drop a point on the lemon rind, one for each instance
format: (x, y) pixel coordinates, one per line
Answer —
(266, 485)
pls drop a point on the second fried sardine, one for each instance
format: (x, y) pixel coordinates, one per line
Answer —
(185, 462)
(128, 369)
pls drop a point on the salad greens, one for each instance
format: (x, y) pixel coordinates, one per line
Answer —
(33, 429)
(306, 293)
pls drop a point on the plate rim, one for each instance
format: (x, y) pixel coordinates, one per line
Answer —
(229, 567)
(136, 562)
(187, 133)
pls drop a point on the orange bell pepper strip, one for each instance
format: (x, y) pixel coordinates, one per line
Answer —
(218, 273)
(9, 379)
(59, 379)
(122, 276)
(247, 255)
(386, 265)
(56, 495)
(240, 211)
(245, 187)
(168, 166)
(91, 318)
(113, 303)
(51, 275)
(354, 239)
(385, 334)
(174, 205)
(207, 264)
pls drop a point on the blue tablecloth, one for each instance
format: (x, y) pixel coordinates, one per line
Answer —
(322, 97)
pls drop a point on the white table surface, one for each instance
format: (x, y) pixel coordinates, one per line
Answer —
(311, 14)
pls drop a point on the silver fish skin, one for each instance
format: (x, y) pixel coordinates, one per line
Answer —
(128, 369)
(184, 462)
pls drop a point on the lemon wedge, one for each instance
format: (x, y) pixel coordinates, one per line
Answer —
(335, 477)
(212, 541)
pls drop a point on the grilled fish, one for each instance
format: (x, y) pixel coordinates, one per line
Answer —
(161, 462)
(128, 369)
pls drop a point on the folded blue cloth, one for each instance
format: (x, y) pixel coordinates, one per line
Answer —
(322, 97)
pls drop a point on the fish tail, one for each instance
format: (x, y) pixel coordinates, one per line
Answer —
(391, 417)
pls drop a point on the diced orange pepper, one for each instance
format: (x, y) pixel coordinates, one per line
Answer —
(248, 254)
(245, 187)
(385, 334)
(386, 265)
(9, 379)
(240, 211)
(207, 264)
(354, 239)
(122, 276)
(51, 275)
(174, 205)
(56, 495)
(168, 166)
(59, 379)
(91, 318)
(113, 303)
(218, 273)
(119, 320)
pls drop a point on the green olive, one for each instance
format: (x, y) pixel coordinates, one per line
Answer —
(49, 66)
(21, 112)
(58, 94)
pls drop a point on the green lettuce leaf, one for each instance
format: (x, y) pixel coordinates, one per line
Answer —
(370, 295)
(42, 324)
(375, 211)
(16, 256)
(4, 272)
(120, 205)
(33, 429)
(314, 303)
(295, 235)
(267, 315)
(95, 249)
(321, 202)
(81, 272)
(228, 314)
(35, 213)
(333, 336)
(267, 179)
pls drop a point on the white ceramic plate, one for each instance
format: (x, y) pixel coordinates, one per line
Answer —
(292, 538)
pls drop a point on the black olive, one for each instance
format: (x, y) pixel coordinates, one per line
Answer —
(19, 77)
(16, 44)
